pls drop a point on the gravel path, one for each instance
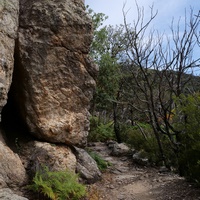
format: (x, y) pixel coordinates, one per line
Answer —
(124, 180)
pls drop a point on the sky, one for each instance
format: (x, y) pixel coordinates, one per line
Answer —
(167, 10)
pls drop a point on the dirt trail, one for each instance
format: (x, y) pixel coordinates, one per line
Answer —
(125, 181)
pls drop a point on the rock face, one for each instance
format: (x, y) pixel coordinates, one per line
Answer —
(52, 85)
(8, 32)
(54, 78)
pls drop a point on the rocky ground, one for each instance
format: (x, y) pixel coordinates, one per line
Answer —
(124, 180)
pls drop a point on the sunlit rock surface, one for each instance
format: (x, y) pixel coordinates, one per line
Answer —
(54, 75)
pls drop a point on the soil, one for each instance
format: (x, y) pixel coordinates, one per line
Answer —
(124, 180)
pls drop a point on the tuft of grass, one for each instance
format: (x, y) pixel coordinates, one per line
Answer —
(93, 193)
(101, 163)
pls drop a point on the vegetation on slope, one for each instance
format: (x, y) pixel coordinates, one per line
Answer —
(143, 82)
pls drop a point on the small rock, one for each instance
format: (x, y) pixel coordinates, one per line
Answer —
(163, 169)
(119, 149)
(7, 194)
(138, 159)
(120, 182)
(146, 175)
(122, 197)
(112, 187)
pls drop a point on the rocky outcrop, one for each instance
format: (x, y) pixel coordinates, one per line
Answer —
(8, 32)
(41, 154)
(54, 76)
(12, 171)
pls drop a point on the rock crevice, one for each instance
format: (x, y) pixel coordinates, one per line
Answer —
(9, 11)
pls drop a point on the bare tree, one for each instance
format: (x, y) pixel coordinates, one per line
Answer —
(160, 68)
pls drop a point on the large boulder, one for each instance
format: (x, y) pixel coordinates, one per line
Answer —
(37, 155)
(9, 11)
(12, 171)
(54, 77)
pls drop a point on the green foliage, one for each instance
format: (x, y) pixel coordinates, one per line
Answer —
(97, 18)
(99, 131)
(142, 138)
(99, 43)
(187, 120)
(107, 82)
(144, 142)
(58, 185)
(101, 163)
(105, 57)
(133, 135)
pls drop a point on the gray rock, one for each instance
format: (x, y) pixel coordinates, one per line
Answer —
(164, 169)
(8, 32)
(7, 194)
(87, 166)
(138, 158)
(119, 149)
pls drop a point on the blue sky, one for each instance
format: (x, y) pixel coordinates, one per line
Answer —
(166, 10)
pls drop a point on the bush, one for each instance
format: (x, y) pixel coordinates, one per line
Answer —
(144, 142)
(57, 185)
(99, 131)
(141, 137)
(187, 121)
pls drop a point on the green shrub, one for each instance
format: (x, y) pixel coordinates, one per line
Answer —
(187, 121)
(101, 163)
(99, 131)
(144, 142)
(57, 185)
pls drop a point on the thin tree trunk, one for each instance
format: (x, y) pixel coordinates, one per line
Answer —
(116, 124)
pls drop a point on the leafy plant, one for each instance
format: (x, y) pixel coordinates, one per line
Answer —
(99, 131)
(58, 185)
